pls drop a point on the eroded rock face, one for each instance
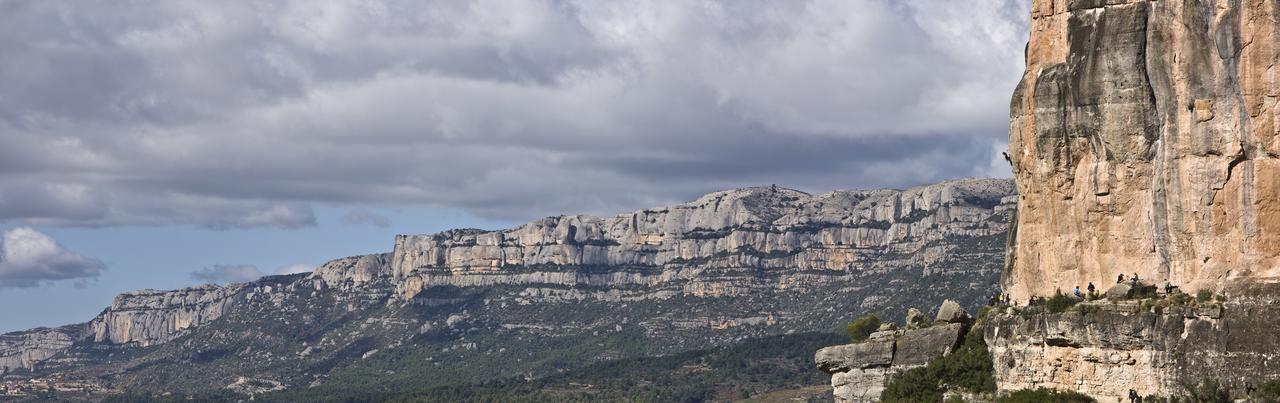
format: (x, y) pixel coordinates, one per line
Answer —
(766, 228)
(1143, 138)
(25, 349)
(151, 316)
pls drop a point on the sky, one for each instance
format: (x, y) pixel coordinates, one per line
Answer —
(170, 144)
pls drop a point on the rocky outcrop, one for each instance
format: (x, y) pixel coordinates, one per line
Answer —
(860, 371)
(1143, 138)
(150, 316)
(1104, 349)
(757, 228)
(25, 349)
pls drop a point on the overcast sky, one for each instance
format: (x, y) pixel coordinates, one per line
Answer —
(164, 144)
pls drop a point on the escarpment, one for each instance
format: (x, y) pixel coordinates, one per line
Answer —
(726, 267)
(1143, 139)
(772, 229)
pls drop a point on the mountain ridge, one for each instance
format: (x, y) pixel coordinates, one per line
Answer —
(731, 264)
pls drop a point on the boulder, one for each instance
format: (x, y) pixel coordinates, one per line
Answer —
(864, 355)
(919, 346)
(915, 319)
(951, 312)
(1119, 291)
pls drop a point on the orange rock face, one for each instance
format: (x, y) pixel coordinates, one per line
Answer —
(1143, 139)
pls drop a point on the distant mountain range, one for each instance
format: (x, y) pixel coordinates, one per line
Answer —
(469, 307)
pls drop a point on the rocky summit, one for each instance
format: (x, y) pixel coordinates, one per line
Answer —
(465, 306)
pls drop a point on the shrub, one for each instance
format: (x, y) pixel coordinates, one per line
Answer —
(861, 328)
(1204, 295)
(915, 385)
(1209, 391)
(1220, 298)
(1180, 298)
(1060, 302)
(1042, 395)
(1267, 392)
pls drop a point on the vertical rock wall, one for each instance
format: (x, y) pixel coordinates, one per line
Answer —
(1143, 139)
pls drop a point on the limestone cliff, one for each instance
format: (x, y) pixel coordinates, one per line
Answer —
(1143, 139)
(756, 228)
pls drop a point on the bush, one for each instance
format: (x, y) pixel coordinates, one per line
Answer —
(1180, 298)
(915, 385)
(860, 329)
(1209, 391)
(1204, 295)
(1267, 392)
(1060, 302)
(1042, 395)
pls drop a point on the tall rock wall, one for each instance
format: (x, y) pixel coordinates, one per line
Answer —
(1143, 139)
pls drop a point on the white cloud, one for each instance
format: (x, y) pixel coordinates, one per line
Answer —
(227, 274)
(29, 258)
(243, 273)
(366, 217)
(295, 269)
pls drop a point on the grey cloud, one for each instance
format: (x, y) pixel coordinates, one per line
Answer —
(366, 217)
(227, 274)
(29, 258)
(228, 115)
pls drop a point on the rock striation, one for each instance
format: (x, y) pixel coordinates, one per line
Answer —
(860, 371)
(1143, 139)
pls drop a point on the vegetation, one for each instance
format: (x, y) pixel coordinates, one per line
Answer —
(1267, 392)
(968, 368)
(1042, 395)
(1208, 391)
(748, 368)
(861, 328)
(1060, 302)
(1204, 295)
(1180, 298)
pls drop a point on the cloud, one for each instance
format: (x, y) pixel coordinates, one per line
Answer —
(229, 115)
(220, 273)
(366, 217)
(243, 273)
(29, 258)
(295, 269)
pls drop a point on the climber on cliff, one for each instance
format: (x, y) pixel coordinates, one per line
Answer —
(1091, 288)
(1133, 396)
(1120, 279)
(1134, 279)
(1078, 295)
